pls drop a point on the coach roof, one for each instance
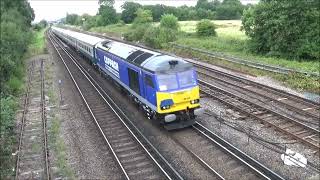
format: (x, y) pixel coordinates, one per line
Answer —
(91, 40)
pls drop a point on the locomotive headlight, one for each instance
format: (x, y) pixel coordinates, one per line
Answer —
(194, 101)
(165, 107)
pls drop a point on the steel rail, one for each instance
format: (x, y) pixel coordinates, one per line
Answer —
(257, 105)
(115, 111)
(289, 106)
(269, 88)
(312, 118)
(89, 109)
(210, 87)
(23, 118)
(44, 123)
(199, 159)
(253, 164)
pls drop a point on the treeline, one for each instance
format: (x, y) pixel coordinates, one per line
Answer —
(204, 9)
(288, 28)
(16, 17)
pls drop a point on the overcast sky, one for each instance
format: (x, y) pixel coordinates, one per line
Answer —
(56, 9)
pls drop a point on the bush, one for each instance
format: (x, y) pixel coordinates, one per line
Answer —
(157, 37)
(136, 34)
(7, 136)
(14, 85)
(151, 38)
(143, 16)
(206, 28)
(169, 21)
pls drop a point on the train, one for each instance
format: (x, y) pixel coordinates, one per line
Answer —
(164, 86)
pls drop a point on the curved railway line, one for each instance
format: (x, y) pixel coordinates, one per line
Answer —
(32, 162)
(247, 109)
(136, 156)
(222, 148)
(228, 163)
(306, 109)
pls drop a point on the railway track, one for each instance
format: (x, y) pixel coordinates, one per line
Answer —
(218, 156)
(136, 156)
(302, 109)
(33, 159)
(247, 109)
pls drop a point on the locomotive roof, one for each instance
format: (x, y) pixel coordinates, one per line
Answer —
(166, 63)
(91, 40)
(125, 51)
(149, 60)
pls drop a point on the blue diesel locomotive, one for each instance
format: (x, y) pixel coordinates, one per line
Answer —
(164, 86)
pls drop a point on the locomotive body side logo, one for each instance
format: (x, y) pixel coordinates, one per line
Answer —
(112, 66)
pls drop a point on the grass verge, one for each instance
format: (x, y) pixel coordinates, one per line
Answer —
(59, 148)
(37, 45)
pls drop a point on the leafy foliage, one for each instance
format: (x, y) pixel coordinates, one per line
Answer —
(206, 28)
(108, 15)
(229, 9)
(129, 11)
(16, 17)
(71, 19)
(169, 21)
(157, 37)
(137, 33)
(7, 138)
(143, 16)
(273, 31)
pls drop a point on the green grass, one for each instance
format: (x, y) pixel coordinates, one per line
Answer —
(57, 144)
(112, 30)
(37, 45)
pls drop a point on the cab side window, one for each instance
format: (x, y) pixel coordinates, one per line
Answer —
(148, 81)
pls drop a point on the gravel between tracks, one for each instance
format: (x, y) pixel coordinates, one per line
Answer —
(257, 151)
(87, 152)
(260, 79)
(160, 138)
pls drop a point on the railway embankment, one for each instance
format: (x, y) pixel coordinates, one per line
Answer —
(181, 159)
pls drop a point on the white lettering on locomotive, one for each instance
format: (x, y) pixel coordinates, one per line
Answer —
(111, 63)
(112, 66)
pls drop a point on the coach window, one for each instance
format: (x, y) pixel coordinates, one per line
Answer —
(148, 80)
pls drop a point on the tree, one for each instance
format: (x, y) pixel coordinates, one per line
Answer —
(129, 11)
(288, 28)
(169, 21)
(108, 15)
(230, 9)
(71, 19)
(15, 32)
(42, 24)
(156, 11)
(205, 14)
(143, 16)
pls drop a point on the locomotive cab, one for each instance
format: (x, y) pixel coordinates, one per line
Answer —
(177, 96)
